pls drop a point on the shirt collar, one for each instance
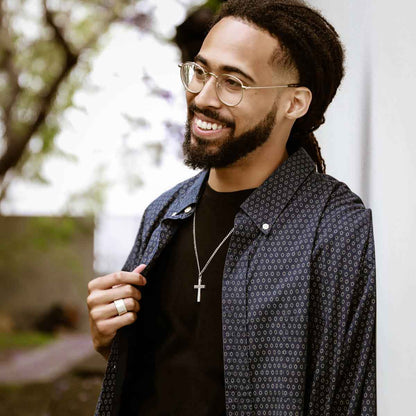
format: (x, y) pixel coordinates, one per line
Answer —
(265, 204)
(188, 197)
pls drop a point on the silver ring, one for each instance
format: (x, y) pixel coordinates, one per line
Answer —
(120, 306)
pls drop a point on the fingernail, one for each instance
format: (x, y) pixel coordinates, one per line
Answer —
(144, 281)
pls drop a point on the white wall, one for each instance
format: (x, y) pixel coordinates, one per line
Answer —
(369, 143)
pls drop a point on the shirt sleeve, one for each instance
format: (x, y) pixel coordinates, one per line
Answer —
(341, 372)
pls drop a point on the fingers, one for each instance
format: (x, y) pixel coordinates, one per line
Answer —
(104, 318)
(139, 269)
(104, 330)
(119, 278)
(102, 297)
(108, 311)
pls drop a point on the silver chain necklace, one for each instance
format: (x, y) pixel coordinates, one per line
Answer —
(200, 286)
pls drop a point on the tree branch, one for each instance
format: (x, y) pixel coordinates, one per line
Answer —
(4, 187)
(8, 66)
(16, 148)
(59, 36)
(17, 145)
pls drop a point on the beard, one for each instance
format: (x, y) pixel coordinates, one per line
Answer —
(199, 155)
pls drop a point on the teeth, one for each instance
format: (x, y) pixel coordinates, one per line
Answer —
(208, 126)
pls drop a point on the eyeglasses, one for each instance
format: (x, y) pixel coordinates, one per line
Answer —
(229, 88)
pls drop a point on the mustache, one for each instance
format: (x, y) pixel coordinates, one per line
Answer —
(192, 108)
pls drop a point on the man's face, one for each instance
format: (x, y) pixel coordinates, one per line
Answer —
(236, 48)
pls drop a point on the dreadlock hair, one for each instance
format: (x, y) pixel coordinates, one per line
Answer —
(310, 45)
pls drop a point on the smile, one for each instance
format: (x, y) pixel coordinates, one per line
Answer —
(204, 125)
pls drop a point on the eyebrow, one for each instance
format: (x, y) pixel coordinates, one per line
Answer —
(227, 68)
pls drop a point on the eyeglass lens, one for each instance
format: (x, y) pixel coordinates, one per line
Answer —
(229, 89)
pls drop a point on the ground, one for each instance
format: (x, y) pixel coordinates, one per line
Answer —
(62, 378)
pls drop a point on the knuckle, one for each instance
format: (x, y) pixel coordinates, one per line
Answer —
(102, 328)
(136, 306)
(131, 291)
(94, 283)
(129, 303)
(93, 314)
(90, 301)
(118, 277)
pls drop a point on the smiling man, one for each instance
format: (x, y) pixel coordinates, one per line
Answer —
(250, 289)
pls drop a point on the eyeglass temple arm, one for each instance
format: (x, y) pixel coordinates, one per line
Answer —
(246, 87)
(272, 86)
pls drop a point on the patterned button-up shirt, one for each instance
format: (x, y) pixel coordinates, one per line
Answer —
(298, 296)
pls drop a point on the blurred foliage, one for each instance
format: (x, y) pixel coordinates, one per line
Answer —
(46, 48)
(44, 261)
(46, 231)
(24, 339)
(46, 51)
(40, 235)
(88, 201)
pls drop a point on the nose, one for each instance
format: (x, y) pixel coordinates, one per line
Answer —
(208, 97)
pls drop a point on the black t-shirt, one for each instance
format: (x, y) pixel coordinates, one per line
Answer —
(185, 372)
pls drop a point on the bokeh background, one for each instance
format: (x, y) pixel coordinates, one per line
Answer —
(91, 121)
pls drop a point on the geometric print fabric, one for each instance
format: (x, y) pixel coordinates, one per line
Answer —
(298, 296)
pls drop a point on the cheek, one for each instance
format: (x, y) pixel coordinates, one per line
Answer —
(242, 123)
(189, 97)
(249, 116)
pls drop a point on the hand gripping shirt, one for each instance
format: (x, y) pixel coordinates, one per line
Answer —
(298, 296)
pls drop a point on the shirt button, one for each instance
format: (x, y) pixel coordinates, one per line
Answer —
(188, 209)
(174, 214)
(265, 226)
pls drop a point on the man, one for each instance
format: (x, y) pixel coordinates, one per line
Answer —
(250, 289)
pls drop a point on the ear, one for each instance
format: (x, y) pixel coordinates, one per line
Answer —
(299, 103)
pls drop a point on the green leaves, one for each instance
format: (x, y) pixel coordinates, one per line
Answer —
(45, 52)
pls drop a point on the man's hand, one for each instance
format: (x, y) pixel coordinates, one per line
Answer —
(104, 318)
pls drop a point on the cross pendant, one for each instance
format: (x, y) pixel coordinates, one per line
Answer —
(199, 287)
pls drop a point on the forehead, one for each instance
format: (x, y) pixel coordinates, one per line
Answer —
(236, 43)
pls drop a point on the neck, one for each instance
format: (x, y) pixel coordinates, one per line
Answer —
(249, 172)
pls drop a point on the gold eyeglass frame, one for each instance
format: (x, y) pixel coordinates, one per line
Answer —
(217, 84)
